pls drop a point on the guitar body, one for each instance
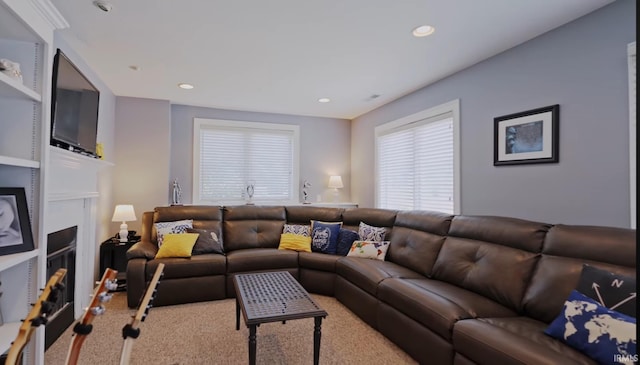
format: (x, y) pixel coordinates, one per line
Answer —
(130, 331)
(37, 316)
(83, 326)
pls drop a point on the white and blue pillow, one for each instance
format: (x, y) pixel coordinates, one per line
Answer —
(299, 229)
(605, 335)
(371, 233)
(163, 228)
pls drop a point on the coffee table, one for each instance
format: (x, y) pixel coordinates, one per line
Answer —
(273, 297)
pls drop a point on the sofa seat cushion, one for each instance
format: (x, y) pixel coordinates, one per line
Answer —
(194, 266)
(318, 261)
(512, 340)
(367, 274)
(256, 259)
(436, 304)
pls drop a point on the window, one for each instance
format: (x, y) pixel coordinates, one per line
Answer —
(229, 155)
(417, 161)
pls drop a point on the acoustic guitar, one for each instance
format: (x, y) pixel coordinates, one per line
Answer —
(131, 331)
(37, 316)
(83, 326)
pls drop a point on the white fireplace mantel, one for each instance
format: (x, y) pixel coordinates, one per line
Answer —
(72, 175)
(72, 195)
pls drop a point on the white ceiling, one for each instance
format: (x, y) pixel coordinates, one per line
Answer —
(280, 56)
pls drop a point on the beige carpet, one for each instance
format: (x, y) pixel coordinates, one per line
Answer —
(204, 333)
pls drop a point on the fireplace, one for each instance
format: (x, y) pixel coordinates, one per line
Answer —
(61, 253)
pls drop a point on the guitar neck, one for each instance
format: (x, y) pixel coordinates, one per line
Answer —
(83, 326)
(131, 331)
(37, 316)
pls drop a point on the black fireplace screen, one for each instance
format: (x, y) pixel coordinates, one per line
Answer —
(61, 253)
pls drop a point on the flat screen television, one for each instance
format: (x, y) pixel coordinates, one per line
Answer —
(74, 108)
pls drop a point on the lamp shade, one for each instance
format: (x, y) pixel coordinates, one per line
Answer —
(335, 182)
(124, 213)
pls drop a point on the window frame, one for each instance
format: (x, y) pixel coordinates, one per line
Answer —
(452, 108)
(206, 123)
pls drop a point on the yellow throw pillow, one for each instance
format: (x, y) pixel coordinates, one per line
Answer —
(177, 245)
(295, 242)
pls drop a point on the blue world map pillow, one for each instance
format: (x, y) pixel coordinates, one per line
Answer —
(605, 335)
(324, 236)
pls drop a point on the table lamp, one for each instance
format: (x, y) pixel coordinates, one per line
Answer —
(335, 183)
(123, 213)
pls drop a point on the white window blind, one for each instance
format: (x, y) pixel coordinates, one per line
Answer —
(416, 164)
(230, 155)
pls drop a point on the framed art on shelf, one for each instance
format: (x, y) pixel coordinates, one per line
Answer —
(527, 137)
(15, 227)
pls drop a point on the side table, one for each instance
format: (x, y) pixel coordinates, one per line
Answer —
(113, 254)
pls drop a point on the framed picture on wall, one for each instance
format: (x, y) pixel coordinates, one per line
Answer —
(527, 137)
(15, 227)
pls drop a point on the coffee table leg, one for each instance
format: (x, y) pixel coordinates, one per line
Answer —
(237, 315)
(252, 344)
(316, 340)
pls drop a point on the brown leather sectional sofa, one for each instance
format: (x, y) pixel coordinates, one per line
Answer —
(452, 289)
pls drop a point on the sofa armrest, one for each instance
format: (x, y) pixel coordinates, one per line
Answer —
(142, 249)
(136, 283)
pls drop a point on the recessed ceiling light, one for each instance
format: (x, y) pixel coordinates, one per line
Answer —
(185, 86)
(324, 100)
(423, 31)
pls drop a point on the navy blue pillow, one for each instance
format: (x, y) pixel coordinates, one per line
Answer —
(345, 240)
(324, 236)
(597, 331)
(208, 242)
(617, 292)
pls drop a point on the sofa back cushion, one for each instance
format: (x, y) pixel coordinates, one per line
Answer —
(250, 226)
(491, 256)
(304, 214)
(566, 248)
(417, 239)
(207, 217)
(385, 218)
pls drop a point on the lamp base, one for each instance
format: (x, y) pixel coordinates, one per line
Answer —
(124, 232)
(336, 195)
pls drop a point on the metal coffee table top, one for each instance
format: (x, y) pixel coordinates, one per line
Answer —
(273, 296)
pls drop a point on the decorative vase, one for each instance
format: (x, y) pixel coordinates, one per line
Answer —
(305, 192)
(250, 190)
(176, 193)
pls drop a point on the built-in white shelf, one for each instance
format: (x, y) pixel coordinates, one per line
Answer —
(8, 261)
(72, 195)
(26, 37)
(12, 88)
(19, 162)
(8, 333)
(76, 160)
(332, 205)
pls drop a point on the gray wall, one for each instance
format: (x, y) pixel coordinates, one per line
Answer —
(325, 147)
(142, 154)
(581, 66)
